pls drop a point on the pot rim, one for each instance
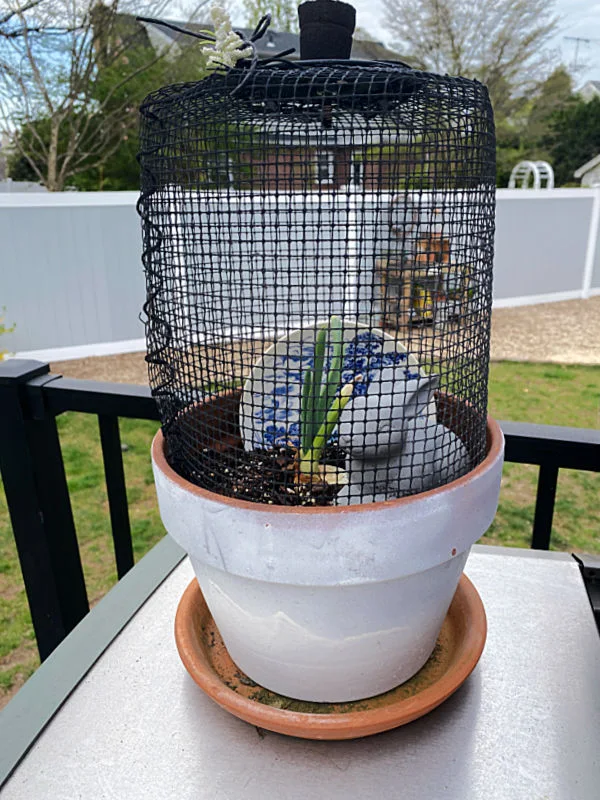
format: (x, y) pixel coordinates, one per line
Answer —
(496, 443)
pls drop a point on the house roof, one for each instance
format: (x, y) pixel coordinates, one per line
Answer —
(589, 165)
(590, 88)
(274, 42)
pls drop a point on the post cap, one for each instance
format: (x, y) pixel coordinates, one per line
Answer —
(21, 370)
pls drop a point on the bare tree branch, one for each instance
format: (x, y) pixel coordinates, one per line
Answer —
(8, 15)
(499, 42)
(52, 54)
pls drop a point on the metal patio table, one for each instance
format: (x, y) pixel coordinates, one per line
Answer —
(113, 714)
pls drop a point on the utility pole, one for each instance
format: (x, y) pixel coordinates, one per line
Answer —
(578, 40)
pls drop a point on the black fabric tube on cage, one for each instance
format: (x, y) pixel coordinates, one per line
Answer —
(318, 243)
(326, 28)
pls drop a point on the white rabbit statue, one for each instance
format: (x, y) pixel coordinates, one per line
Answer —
(394, 446)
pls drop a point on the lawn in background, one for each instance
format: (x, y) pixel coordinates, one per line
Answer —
(543, 393)
(549, 394)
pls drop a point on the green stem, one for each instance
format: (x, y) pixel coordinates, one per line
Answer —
(309, 461)
(314, 414)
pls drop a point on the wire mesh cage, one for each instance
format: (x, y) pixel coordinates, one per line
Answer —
(318, 242)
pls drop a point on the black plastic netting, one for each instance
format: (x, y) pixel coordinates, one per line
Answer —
(318, 243)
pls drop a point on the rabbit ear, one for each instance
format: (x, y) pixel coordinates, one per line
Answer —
(419, 393)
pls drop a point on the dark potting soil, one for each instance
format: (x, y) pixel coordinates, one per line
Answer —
(261, 476)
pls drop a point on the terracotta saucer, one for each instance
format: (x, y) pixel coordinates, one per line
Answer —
(456, 653)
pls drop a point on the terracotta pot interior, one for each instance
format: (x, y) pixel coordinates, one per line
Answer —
(214, 424)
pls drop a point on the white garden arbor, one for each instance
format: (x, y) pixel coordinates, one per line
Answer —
(539, 173)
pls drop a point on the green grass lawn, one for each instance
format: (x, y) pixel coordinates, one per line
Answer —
(543, 393)
(550, 394)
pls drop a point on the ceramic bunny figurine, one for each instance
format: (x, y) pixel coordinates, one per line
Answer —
(394, 445)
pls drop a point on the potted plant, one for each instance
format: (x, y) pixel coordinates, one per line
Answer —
(329, 492)
(331, 603)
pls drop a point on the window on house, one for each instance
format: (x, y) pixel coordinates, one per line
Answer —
(357, 172)
(325, 166)
(219, 170)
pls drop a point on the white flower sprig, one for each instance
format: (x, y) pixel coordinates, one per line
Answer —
(226, 50)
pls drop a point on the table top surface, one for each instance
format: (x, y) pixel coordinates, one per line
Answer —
(525, 725)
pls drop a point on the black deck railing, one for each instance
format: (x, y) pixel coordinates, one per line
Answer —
(38, 499)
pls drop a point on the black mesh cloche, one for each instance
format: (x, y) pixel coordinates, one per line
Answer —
(318, 243)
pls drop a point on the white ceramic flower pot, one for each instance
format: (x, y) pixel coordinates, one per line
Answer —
(330, 604)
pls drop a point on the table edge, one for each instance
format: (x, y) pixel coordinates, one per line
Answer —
(522, 552)
(24, 718)
(42, 696)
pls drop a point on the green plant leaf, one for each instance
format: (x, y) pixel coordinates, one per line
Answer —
(334, 377)
(309, 462)
(316, 414)
(305, 417)
(319, 407)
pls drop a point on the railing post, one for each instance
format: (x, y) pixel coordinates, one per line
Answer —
(544, 507)
(38, 502)
(116, 491)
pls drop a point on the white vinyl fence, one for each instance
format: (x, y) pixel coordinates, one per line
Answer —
(71, 278)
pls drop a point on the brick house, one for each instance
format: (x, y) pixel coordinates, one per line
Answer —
(323, 160)
(315, 168)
